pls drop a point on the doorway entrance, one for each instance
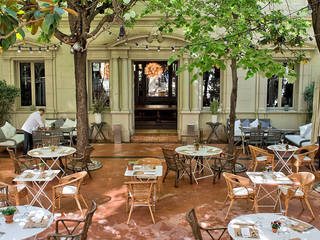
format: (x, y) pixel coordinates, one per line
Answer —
(155, 94)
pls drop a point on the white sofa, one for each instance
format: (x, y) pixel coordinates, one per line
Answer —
(303, 139)
(9, 136)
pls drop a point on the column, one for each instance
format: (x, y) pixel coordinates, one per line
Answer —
(115, 85)
(124, 85)
(186, 89)
(195, 93)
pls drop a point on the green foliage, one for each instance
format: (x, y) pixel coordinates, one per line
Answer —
(7, 98)
(308, 96)
(42, 164)
(8, 211)
(214, 106)
(246, 30)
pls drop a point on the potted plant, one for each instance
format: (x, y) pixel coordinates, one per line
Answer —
(7, 98)
(259, 125)
(130, 165)
(196, 146)
(53, 126)
(53, 148)
(99, 103)
(214, 106)
(275, 226)
(8, 214)
(42, 166)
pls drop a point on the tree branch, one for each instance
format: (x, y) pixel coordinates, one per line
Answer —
(63, 37)
(20, 26)
(106, 18)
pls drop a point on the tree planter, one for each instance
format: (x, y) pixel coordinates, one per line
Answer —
(215, 118)
(9, 218)
(98, 118)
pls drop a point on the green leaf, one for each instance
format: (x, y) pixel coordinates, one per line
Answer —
(49, 19)
(21, 32)
(10, 12)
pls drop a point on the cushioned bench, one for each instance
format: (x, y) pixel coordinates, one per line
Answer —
(10, 137)
(303, 139)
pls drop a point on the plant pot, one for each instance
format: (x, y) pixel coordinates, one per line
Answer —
(53, 149)
(259, 126)
(215, 118)
(97, 118)
(9, 218)
(196, 148)
(42, 169)
(274, 230)
(130, 167)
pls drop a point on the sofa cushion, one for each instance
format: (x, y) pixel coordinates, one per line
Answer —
(18, 138)
(8, 130)
(2, 136)
(255, 123)
(68, 123)
(59, 123)
(307, 133)
(265, 124)
(303, 129)
(237, 131)
(295, 139)
(246, 123)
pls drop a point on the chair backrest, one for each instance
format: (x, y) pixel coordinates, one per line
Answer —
(256, 135)
(88, 220)
(273, 136)
(255, 152)
(312, 149)
(4, 195)
(76, 179)
(87, 153)
(193, 221)
(305, 179)
(140, 191)
(170, 156)
(50, 140)
(16, 165)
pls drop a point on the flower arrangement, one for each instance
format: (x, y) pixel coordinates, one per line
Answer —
(275, 225)
(8, 213)
(153, 70)
(53, 148)
(42, 166)
(196, 146)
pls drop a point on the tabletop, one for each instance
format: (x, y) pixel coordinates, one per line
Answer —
(204, 151)
(262, 223)
(46, 152)
(37, 176)
(30, 214)
(144, 170)
(276, 178)
(283, 148)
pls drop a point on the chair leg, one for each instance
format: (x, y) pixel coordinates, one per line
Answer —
(130, 213)
(255, 167)
(286, 206)
(301, 202)
(53, 205)
(255, 203)
(79, 205)
(309, 206)
(177, 179)
(225, 201)
(151, 214)
(165, 175)
(232, 200)
(84, 202)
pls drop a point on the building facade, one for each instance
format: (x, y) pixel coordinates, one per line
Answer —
(132, 73)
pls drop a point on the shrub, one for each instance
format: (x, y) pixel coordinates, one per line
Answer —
(7, 97)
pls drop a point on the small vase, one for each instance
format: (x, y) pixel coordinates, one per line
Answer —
(9, 218)
(274, 230)
(98, 118)
(214, 118)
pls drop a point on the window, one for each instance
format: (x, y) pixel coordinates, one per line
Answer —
(100, 81)
(280, 92)
(32, 83)
(211, 86)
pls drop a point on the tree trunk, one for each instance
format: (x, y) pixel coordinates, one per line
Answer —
(315, 6)
(80, 59)
(233, 104)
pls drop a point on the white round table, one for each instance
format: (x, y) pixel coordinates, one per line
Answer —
(45, 153)
(205, 152)
(280, 150)
(15, 230)
(262, 222)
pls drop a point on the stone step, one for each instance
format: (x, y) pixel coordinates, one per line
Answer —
(155, 138)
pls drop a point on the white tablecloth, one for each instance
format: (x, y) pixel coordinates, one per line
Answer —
(204, 151)
(45, 152)
(15, 230)
(263, 221)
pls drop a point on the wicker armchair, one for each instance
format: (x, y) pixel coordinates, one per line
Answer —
(239, 188)
(305, 156)
(196, 228)
(300, 190)
(73, 232)
(260, 157)
(175, 164)
(22, 162)
(16, 192)
(140, 194)
(69, 187)
(79, 161)
(4, 196)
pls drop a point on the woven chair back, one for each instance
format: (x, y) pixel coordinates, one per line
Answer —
(193, 221)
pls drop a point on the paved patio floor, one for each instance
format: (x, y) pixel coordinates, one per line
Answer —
(108, 190)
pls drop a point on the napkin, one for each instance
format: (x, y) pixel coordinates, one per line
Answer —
(29, 175)
(37, 222)
(301, 227)
(246, 231)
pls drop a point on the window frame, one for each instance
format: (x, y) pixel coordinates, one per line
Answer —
(90, 87)
(33, 81)
(294, 93)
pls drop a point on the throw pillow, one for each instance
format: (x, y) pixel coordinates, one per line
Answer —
(2, 136)
(59, 123)
(255, 123)
(68, 123)
(237, 131)
(246, 123)
(303, 130)
(265, 124)
(307, 133)
(8, 130)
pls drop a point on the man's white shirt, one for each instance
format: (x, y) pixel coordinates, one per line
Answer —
(33, 122)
